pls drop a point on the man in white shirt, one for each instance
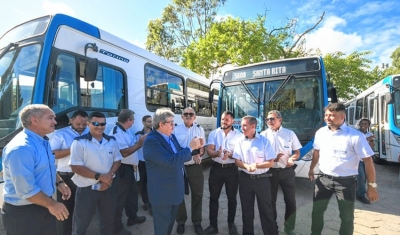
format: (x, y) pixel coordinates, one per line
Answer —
(185, 132)
(60, 144)
(287, 147)
(364, 125)
(338, 150)
(147, 127)
(254, 155)
(95, 159)
(127, 191)
(221, 143)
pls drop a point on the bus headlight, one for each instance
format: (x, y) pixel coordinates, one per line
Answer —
(308, 156)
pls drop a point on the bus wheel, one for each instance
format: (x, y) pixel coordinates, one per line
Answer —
(377, 159)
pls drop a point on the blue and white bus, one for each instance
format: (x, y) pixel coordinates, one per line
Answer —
(69, 64)
(381, 105)
(298, 88)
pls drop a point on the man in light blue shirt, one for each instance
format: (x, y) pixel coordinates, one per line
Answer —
(30, 177)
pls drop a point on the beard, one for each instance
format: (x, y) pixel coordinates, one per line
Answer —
(224, 127)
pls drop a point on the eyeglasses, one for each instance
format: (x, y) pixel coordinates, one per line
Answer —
(269, 119)
(99, 123)
(188, 114)
(171, 123)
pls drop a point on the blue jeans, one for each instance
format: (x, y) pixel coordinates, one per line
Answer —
(361, 189)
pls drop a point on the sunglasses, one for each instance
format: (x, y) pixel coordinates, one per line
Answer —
(188, 114)
(99, 123)
(269, 119)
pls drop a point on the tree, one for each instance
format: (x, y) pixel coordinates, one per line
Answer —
(240, 42)
(182, 22)
(350, 74)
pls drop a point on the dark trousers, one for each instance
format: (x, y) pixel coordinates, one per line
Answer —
(143, 181)
(284, 177)
(345, 192)
(259, 188)
(361, 180)
(29, 219)
(218, 177)
(86, 202)
(164, 218)
(196, 182)
(65, 227)
(127, 195)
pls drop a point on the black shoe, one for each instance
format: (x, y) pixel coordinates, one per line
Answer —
(136, 220)
(180, 229)
(363, 200)
(198, 229)
(210, 230)
(232, 229)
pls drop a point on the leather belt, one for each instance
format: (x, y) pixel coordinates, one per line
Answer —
(279, 169)
(258, 176)
(337, 177)
(65, 173)
(224, 165)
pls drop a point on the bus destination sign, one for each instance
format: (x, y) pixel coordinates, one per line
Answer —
(272, 69)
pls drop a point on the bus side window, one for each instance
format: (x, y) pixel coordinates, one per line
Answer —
(163, 89)
(107, 91)
(198, 98)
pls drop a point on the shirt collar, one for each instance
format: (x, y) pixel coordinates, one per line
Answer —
(35, 135)
(120, 126)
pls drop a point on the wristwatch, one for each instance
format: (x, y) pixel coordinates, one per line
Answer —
(374, 185)
(97, 176)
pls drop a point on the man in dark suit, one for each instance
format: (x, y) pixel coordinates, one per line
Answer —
(165, 170)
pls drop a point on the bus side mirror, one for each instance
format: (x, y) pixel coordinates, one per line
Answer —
(91, 66)
(389, 98)
(211, 96)
(333, 95)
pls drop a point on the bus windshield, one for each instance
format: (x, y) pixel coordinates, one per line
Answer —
(17, 77)
(396, 106)
(24, 31)
(299, 100)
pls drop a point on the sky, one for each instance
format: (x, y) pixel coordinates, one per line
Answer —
(348, 25)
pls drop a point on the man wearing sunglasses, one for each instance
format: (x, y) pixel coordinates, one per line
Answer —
(185, 132)
(287, 148)
(95, 159)
(60, 144)
(127, 191)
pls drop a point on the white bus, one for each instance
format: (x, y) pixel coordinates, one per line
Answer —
(381, 105)
(69, 64)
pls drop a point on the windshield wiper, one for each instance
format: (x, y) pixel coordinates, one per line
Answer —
(7, 48)
(255, 99)
(278, 91)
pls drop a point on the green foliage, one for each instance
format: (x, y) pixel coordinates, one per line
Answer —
(240, 42)
(350, 74)
(182, 22)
